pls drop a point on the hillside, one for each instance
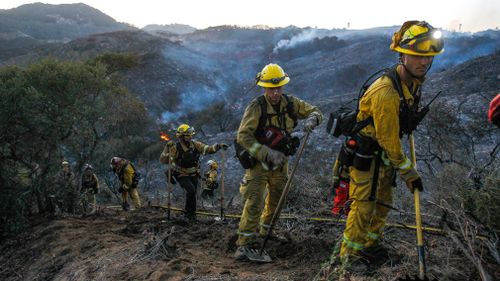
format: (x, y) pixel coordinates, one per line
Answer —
(184, 73)
(57, 22)
(38, 25)
(169, 28)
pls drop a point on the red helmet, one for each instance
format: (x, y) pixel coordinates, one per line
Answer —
(494, 111)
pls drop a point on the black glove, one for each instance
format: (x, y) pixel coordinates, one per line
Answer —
(221, 145)
(416, 184)
(95, 190)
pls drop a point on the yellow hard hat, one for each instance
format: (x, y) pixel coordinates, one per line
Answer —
(418, 38)
(65, 163)
(272, 76)
(185, 130)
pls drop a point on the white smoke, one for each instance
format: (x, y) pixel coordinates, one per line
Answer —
(305, 36)
(194, 98)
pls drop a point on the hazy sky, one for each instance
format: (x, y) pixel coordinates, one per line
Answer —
(474, 15)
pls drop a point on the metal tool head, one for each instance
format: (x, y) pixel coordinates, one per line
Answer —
(256, 256)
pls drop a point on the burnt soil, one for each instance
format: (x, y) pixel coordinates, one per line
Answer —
(145, 245)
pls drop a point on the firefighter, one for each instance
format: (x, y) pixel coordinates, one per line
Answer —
(264, 133)
(65, 194)
(129, 180)
(210, 181)
(184, 159)
(89, 188)
(417, 43)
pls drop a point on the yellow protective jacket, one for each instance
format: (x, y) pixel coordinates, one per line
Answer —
(126, 174)
(250, 120)
(382, 101)
(170, 151)
(210, 179)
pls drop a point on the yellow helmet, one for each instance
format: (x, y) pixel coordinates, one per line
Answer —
(212, 164)
(418, 38)
(65, 163)
(185, 130)
(272, 76)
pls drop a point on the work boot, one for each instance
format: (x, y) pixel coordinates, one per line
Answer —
(240, 254)
(125, 206)
(356, 264)
(376, 255)
(191, 218)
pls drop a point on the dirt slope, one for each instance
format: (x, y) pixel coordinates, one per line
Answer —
(144, 245)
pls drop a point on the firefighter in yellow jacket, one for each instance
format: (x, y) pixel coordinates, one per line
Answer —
(129, 180)
(184, 158)
(264, 133)
(417, 43)
(210, 181)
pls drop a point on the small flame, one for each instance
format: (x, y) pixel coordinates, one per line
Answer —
(164, 136)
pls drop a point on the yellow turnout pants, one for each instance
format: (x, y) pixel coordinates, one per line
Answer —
(366, 219)
(134, 195)
(259, 206)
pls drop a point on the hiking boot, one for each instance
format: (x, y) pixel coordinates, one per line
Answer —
(376, 255)
(125, 206)
(190, 218)
(355, 264)
(241, 253)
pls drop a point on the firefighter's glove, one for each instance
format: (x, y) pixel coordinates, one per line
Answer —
(270, 156)
(333, 188)
(411, 178)
(311, 123)
(123, 188)
(220, 146)
(336, 174)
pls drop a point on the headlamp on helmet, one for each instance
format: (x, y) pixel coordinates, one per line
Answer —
(419, 39)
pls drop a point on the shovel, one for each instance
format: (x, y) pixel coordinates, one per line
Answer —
(222, 218)
(169, 186)
(262, 255)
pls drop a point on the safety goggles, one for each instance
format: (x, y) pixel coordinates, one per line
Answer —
(430, 41)
(188, 132)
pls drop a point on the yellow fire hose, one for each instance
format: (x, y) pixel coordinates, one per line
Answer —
(429, 229)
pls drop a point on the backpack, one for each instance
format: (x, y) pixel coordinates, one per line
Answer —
(135, 178)
(343, 121)
(243, 156)
(187, 159)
